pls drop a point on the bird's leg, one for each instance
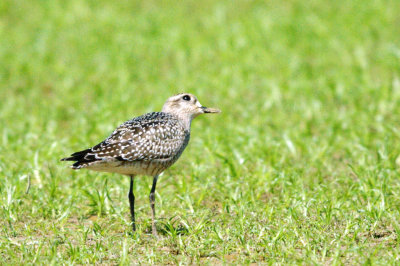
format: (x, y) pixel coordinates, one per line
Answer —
(132, 202)
(152, 202)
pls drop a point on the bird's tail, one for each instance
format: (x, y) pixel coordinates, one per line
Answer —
(81, 158)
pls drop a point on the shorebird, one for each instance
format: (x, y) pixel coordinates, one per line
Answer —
(145, 145)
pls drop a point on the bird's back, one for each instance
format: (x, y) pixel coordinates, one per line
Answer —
(145, 145)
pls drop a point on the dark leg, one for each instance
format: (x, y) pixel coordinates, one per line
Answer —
(152, 202)
(132, 203)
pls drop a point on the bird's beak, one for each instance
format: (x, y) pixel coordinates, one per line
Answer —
(210, 110)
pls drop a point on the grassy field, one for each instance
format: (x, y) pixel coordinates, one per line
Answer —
(302, 166)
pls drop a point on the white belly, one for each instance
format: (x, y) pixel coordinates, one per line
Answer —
(130, 168)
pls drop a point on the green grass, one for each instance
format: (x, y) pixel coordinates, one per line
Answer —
(302, 166)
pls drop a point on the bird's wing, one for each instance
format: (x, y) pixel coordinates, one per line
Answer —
(148, 140)
(149, 137)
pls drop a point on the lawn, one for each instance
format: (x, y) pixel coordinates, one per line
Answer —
(301, 167)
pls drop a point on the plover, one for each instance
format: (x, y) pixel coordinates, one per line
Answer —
(145, 145)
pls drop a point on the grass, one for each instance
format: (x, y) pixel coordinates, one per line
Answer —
(301, 167)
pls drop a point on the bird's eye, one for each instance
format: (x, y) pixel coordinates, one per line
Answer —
(186, 98)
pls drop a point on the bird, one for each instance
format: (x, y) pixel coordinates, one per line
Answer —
(146, 145)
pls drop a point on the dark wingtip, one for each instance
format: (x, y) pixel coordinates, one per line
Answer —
(68, 159)
(77, 156)
(81, 159)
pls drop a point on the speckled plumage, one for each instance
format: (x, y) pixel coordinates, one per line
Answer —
(145, 145)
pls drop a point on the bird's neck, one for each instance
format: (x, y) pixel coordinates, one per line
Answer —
(186, 120)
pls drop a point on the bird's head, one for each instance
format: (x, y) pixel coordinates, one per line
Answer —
(186, 105)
